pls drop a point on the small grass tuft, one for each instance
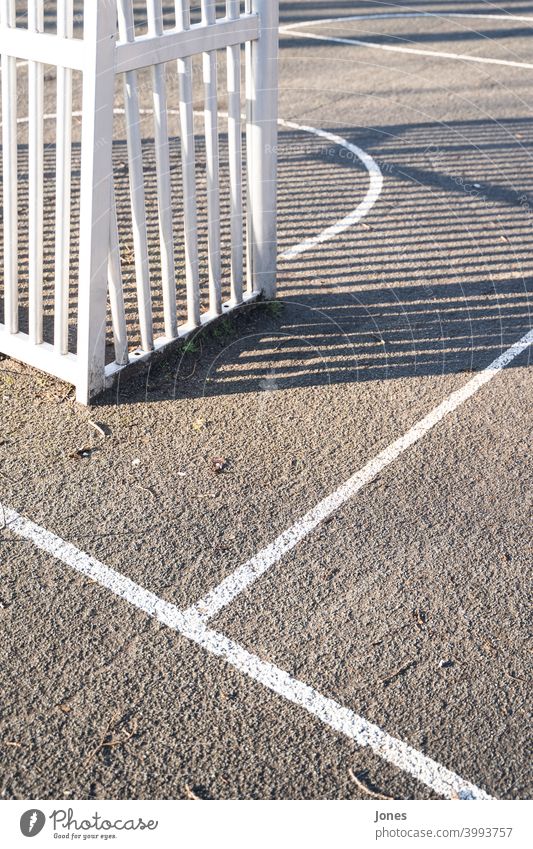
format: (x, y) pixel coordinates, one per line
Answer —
(190, 347)
(274, 308)
(224, 329)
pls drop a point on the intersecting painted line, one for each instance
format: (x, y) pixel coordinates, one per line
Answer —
(245, 575)
(441, 780)
(191, 623)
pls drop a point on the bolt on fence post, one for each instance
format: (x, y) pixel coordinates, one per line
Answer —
(99, 33)
(262, 136)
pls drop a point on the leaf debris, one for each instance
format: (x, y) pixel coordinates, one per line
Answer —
(219, 464)
(362, 785)
(401, 671)
(190, 794)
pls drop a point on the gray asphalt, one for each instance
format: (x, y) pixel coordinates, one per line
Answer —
(412, 605)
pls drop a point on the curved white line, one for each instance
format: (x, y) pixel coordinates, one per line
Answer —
(376, 179)
(392, 48)
(376, 185)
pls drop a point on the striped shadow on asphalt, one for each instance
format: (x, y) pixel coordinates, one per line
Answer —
(191, 623)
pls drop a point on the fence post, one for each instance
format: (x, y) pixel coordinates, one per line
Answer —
(261, 136)
(99, 29)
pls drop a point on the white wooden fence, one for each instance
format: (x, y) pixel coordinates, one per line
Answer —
(106, 45)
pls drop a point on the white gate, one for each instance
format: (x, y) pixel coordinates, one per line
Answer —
(56, 290)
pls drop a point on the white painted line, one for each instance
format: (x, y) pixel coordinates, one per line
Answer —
(245, 575)
(424, 769)
(92, 568)
(364, 733)
(291, 29)
(191, 623)
(440, 16)
(374, 191)
(391, 48)
(376, 185)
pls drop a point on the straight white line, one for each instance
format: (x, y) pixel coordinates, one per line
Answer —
(118, 584)
(424, 769)
(191, 623)
(245, 575)
(364, 733)
(413, 50)
(376, 185)
(443, 16)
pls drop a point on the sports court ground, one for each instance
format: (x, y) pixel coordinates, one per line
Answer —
(342, 609)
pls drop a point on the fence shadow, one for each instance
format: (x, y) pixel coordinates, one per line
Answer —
(382, 334)
(349, 337)
(435, 280)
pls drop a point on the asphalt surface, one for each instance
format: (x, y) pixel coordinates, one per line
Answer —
(411, 606)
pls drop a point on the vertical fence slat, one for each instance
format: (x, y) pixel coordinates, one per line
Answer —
(155, 27)
(249, 168)
(35, 180)
(190, 216)
(116, 291)
(261, 140)
(136, 177)
(212, 164)
(99, 255)
(10, 169)
(99, 24)
(235, 159)
(65, 26)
